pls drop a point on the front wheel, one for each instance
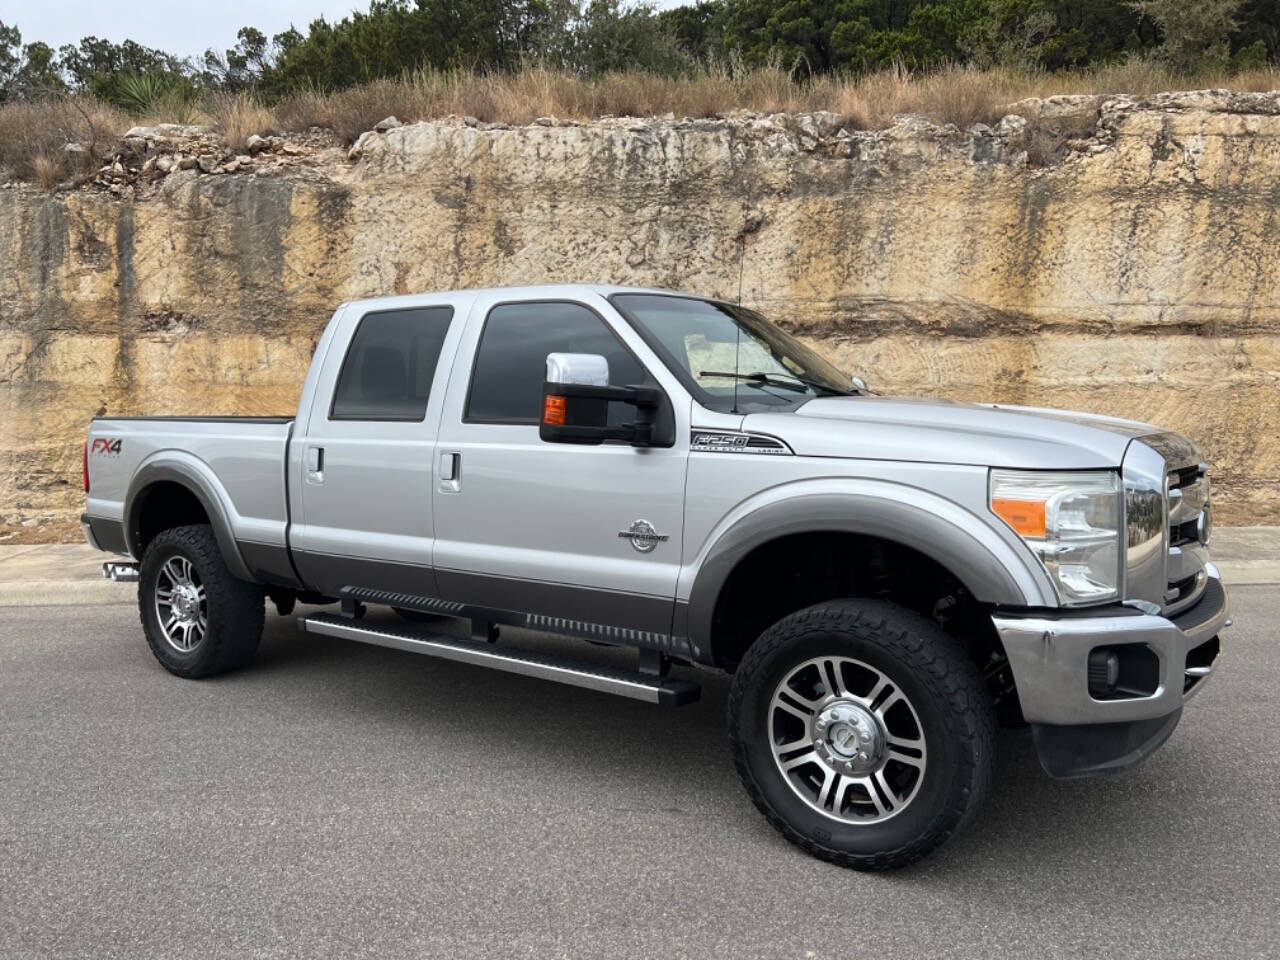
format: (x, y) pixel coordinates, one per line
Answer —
(198, 618)
(862, 732)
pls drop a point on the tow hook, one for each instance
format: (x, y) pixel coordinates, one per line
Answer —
(123, 571)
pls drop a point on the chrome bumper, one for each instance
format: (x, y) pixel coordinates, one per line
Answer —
(1048, 654)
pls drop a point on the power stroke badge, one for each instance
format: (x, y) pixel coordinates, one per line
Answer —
(643, 536)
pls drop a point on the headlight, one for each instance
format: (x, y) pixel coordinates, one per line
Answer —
(1071, 520)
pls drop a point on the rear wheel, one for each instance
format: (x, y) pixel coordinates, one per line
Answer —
(862, 732)
(199, 619)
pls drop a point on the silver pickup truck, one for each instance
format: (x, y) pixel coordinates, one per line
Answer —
(884, 578)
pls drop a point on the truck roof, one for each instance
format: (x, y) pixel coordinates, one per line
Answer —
(530, 291)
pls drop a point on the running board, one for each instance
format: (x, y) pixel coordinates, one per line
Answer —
(667, 691)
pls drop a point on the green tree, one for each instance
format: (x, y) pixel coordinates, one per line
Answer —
(120, 73)
(27, 72)
(1090, 31)
(395, 35)
(1259, 22)
(697, 29)
(606, 36)
(39, 75)
(1194, 36)
(241, 67)
(10, 58)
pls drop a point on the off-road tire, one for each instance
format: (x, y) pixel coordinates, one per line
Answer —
(945, 689)
(236, 608)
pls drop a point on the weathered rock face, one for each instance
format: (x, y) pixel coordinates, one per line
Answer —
(1137, 274)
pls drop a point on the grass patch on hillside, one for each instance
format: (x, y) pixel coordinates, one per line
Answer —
(33, 136)
(53, 140)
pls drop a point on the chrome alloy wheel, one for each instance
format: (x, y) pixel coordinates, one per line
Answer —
(847, 740)
(182, 609)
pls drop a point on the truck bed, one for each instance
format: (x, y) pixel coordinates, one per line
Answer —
(237, 464)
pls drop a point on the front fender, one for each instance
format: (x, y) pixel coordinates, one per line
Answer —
(177, 466)
(992, 569)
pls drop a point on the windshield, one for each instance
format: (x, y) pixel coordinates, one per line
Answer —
(713, 346)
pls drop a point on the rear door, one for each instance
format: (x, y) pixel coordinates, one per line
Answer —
(364, 525)
(542, 530)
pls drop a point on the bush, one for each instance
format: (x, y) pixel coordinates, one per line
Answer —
(1194, 35)
(34, 137)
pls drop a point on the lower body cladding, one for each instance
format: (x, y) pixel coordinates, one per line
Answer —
(1103, 689)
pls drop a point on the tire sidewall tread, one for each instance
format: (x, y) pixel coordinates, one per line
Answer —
(943, 685)
(236, 608)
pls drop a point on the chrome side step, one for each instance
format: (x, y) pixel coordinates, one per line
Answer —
(666, 691)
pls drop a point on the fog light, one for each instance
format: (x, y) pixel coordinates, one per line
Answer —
(1123, 671)
(1104, 672)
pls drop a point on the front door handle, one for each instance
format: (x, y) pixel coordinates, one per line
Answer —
(450, 475)
(315, 465)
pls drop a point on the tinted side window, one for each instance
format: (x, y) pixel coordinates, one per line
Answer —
(511, 361)
(390, 364)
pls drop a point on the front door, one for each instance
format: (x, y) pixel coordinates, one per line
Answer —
(585, 539)
(364, 525)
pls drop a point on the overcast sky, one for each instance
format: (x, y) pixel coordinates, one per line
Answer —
(183, 27)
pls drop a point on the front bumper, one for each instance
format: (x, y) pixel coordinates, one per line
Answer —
(1077, 734)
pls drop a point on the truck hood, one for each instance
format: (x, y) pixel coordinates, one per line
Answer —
(940, 431)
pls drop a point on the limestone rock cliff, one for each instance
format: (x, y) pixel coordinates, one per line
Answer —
(1131, 266)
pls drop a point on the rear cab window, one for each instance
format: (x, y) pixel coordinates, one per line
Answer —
(389, 367)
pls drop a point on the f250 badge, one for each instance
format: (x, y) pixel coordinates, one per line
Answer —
(105, 446)
(643, 536)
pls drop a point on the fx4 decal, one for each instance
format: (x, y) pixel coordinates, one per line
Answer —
(108, 446)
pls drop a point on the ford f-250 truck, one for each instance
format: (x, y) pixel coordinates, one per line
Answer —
(884, 578)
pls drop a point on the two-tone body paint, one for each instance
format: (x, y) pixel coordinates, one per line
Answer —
(526, 526)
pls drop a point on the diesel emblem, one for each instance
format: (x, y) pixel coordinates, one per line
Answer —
(643, 536)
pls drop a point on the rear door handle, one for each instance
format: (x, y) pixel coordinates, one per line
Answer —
(450, 475)
(315, 465)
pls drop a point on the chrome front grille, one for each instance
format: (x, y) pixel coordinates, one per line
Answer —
(1187, 496)
(1167, 516)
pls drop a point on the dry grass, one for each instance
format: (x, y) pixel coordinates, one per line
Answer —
(237, 116)
(957, 94)
(45, 170)
(33, 137)
(175, 107)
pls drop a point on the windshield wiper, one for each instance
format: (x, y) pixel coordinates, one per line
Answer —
(788, 381)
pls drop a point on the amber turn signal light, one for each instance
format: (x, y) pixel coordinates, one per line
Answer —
(1025, 516)
(553, 409)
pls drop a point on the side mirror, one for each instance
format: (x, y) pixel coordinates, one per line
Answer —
(859, 384)
(575, 403)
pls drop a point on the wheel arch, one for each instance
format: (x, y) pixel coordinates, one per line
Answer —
(153, 504)
(944, 532)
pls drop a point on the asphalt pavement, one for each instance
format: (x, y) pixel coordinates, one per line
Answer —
(341, 800)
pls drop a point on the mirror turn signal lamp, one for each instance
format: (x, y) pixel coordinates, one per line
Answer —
(1025, 516)
(553, 409)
